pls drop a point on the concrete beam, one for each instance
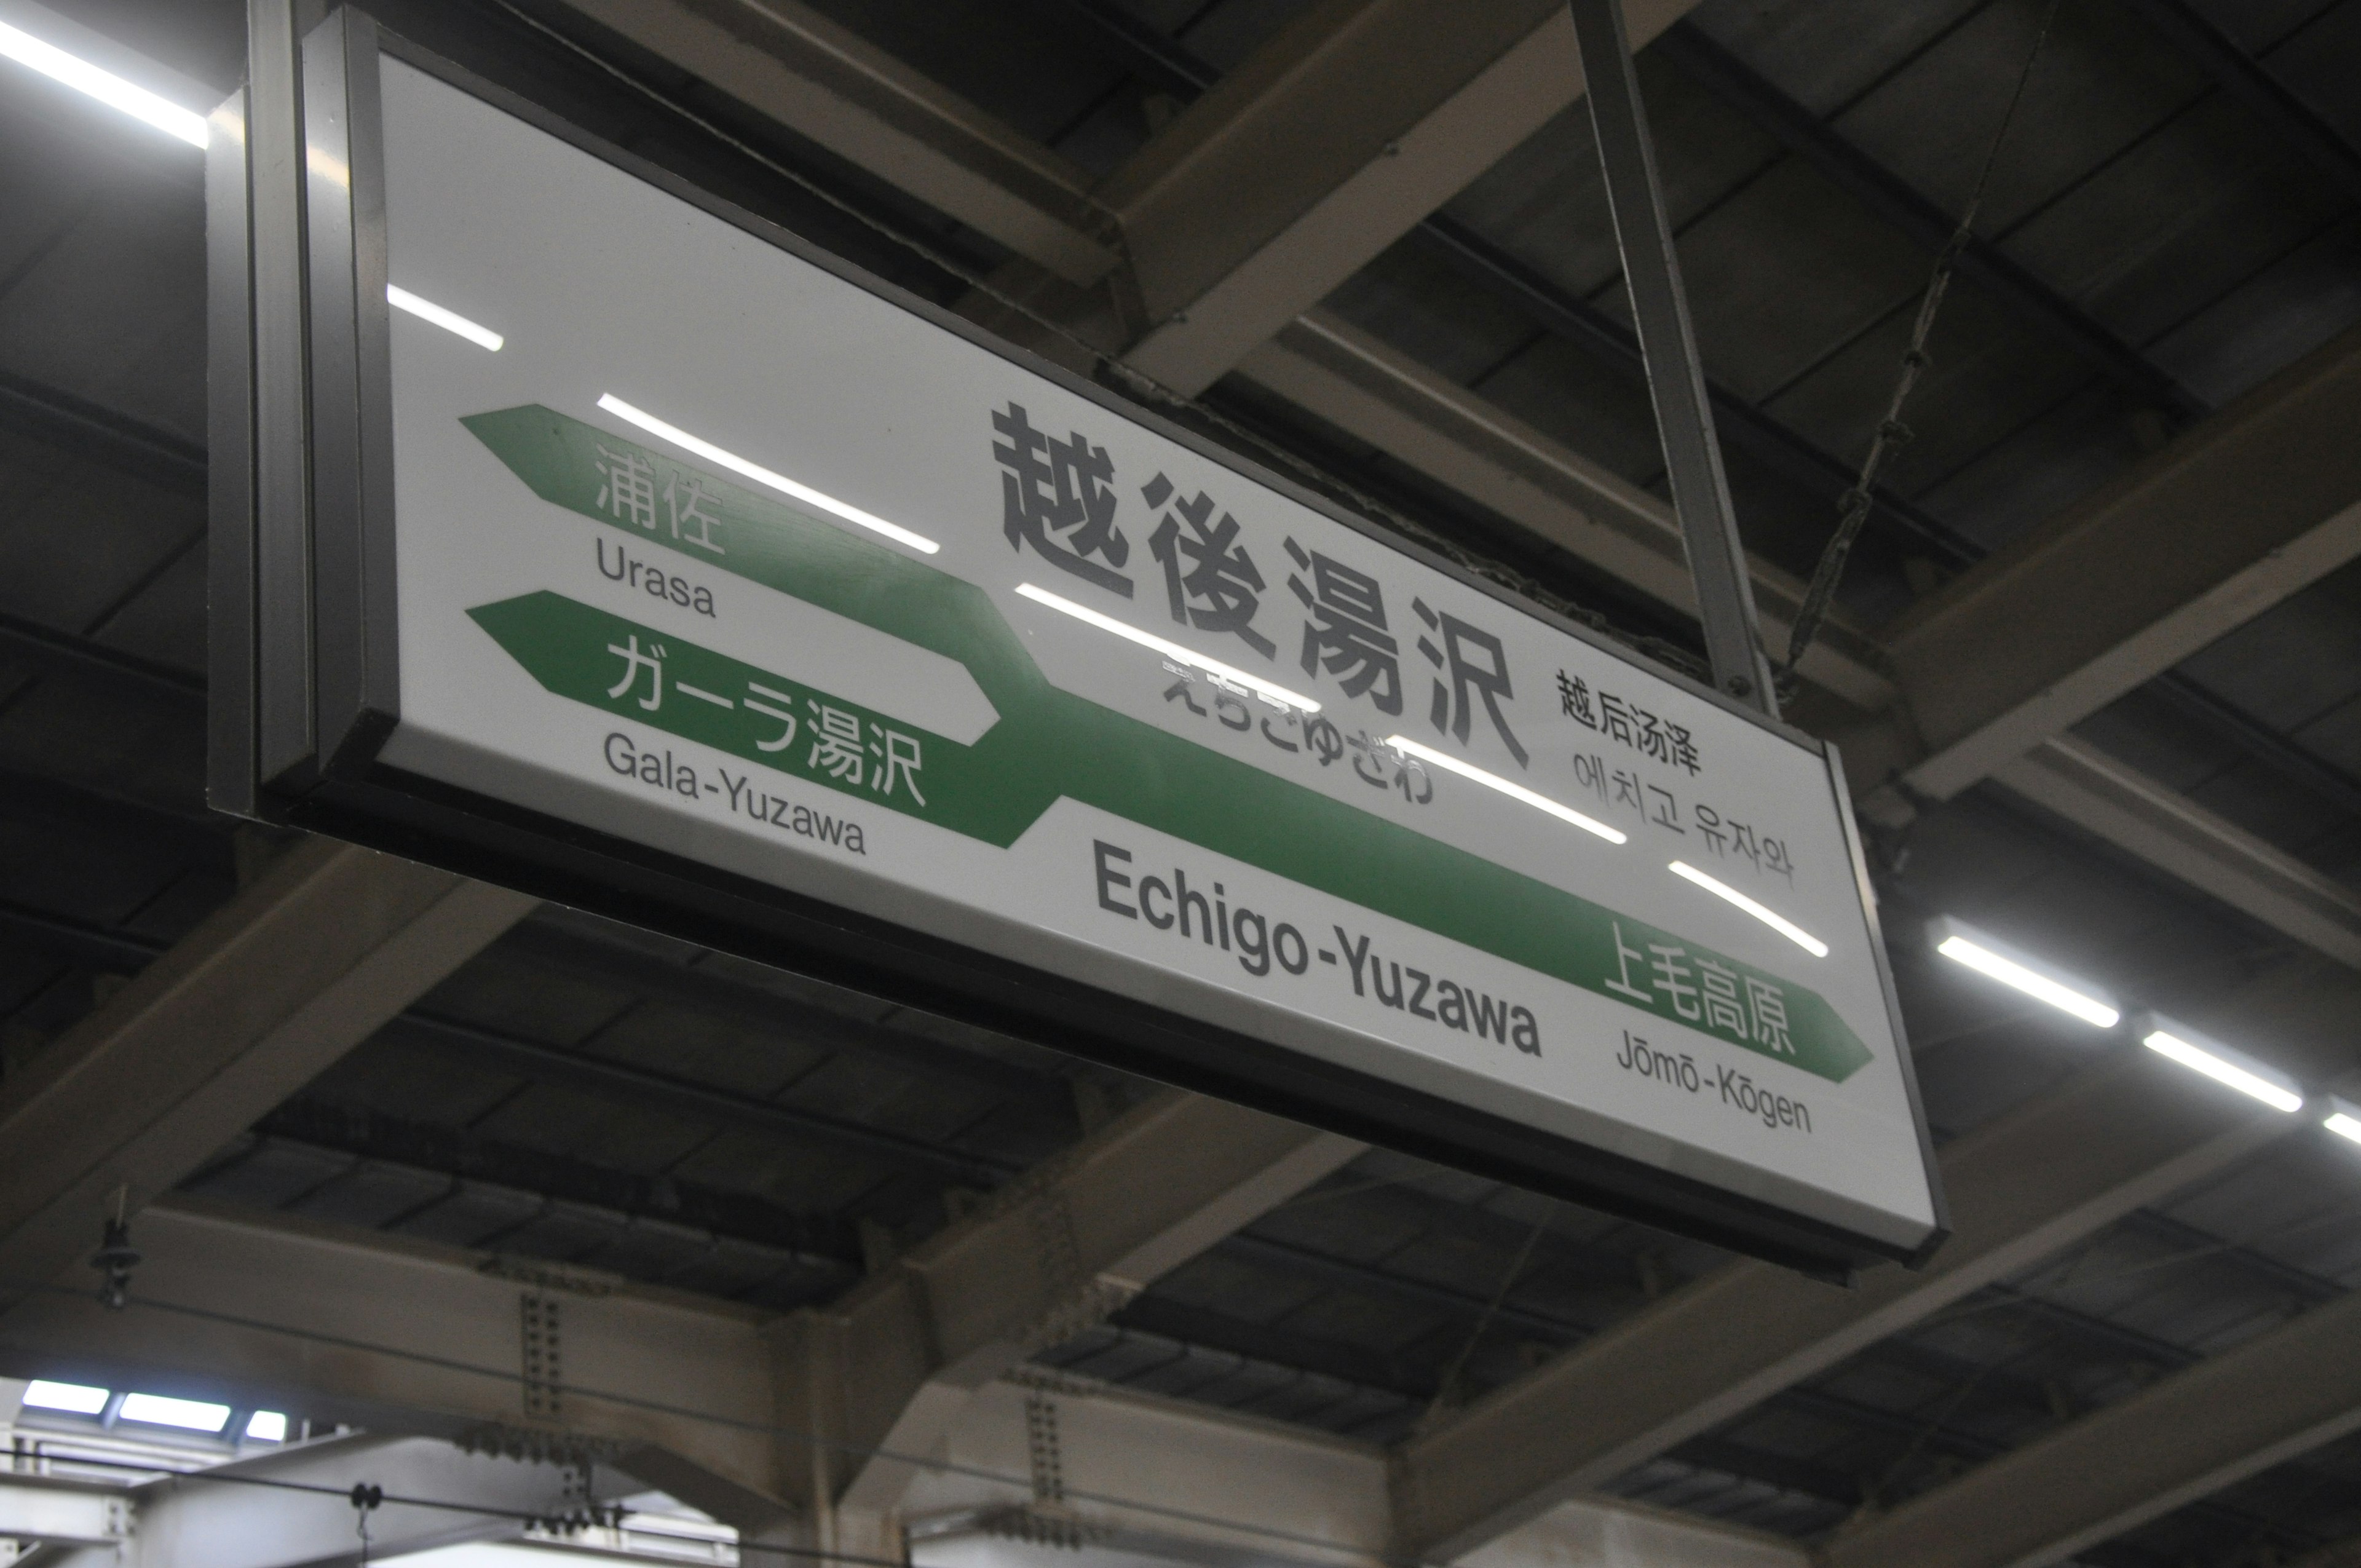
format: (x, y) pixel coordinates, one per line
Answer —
(1372, 393)
(2252, 506)
(2126, 1132)
(888, 1366)
(788, 62)
(2201, 1429)
(304, 963)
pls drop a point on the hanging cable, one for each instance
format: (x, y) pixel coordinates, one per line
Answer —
(1853, 506)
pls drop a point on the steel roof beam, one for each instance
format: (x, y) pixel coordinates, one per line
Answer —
(2259, 502)
(2056, 636)
(294, 1509)
(2245, 78)
(281, 1313)
(688, 1395)
(1460, 441)
(1283, 180)
(99, 947)
(335, 1136)
(1576, 319)
(1761, 436)
(39, 1512)
(102, 435)
(1437, 428)
(891, 1365)
(67, 653)
(790, 63)
(1173, 1320)
(113, 950)
(1892, 201)
(2201, 1429)
(2165, 829)
(1334, 140)
(604, 959)
(629, 1084)
(302, 965)
(2125, 1133)
(2345, 1553)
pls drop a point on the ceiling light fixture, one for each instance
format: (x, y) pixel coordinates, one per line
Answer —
(449, 321)
(762, 476)
(2180, 1043)
(1513, 791)
(73, 1399)
(2344, 1119)
(1770, 917)
(267, 1426)
(162, 1411)
(104, 85)
(1963, 943)
(1170, 649)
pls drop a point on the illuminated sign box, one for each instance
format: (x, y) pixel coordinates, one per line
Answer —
(607, 542)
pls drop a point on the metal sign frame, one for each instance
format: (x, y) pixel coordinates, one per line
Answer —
(304, 661)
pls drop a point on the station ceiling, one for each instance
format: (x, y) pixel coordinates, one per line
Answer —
(2162, 237)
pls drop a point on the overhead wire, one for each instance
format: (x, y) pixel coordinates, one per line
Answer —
(368, 1498)
(836, 1446)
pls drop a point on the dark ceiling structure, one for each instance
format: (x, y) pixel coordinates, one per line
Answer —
(2174, 230)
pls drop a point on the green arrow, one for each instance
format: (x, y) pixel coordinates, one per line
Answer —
(1049, 743)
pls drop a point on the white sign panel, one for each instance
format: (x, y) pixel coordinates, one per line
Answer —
(723, 553)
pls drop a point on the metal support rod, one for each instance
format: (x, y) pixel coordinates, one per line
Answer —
(1676, 380)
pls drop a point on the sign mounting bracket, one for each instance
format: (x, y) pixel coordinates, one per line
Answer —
(1652, 271)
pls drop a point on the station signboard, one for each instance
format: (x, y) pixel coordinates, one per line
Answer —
(605, 541)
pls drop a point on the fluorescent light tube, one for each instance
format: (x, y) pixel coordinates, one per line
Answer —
(74, 1398)
(2344, 1118)
(1963, 943)
(1777, 922)
(104, 85)
(267, 1426)
(1513, 791)
(1170, 649)
(2180, 1043)
(762, 476)
(159, 1410)
(449, 321)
